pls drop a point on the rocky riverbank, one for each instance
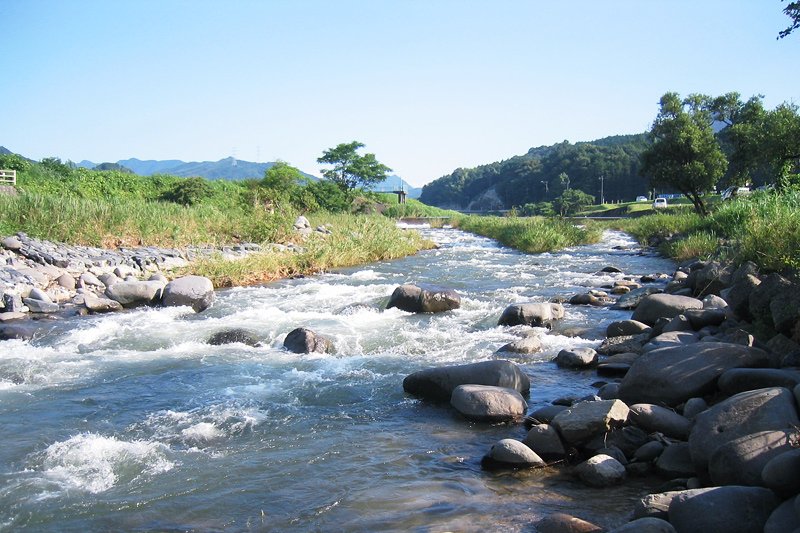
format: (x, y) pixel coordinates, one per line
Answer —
(699, 388)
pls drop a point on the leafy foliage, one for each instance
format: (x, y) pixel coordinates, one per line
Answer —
(792, 10)
(189, 191)
(351, 170)
(571, 201)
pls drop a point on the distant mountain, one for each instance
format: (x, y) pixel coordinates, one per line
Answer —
(5, 151)
(395, 183)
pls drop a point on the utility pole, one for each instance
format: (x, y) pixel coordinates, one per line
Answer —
(602, 197)
(546, 190)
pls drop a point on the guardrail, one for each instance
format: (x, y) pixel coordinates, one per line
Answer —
(8, 176)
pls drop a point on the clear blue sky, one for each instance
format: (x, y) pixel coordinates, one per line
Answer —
(427, 85)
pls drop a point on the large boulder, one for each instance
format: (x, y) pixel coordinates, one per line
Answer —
(511, 453)
(656, 306)
(675, 461)
(738, 380)
(601, 471)
(731, 509)
(783, 519)
(654, 418)
(135, 293)
(670, 376)
(524, 346)
(584, 420)
(633, 298)
(744, 414)
(303, 340)
(424, 299)
(738, 295)
(782, 473)
(785, 311)
(439, 383)
(771, 286)
(196, 292)
(234, 335)
(576, 358)
(626, 327)
(100, 305)
(742, 461)
(40, 306)
(484, 403)
(544, 440)
(710, 279)
(531, 314)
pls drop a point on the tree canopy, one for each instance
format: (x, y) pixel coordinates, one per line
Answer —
(792, 10)
(350, 169)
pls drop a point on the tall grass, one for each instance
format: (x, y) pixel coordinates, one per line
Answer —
(532, 235)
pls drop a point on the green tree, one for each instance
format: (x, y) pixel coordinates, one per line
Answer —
(684, 155)
(189, 191)
(571, 201)
(792, 10)
(282, 177)
(350, 169)
(14, 162)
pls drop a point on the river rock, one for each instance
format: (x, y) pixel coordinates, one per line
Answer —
(783, 519)
(732, 509)
(544, 440)
(483, 403)
(40, 306)
(583, 420)
(303, 340)
(649, 451)
(633, 298)
(531, 314)
(564, 523)
(782, 472)
(785, 311)
(702, 318)
(741, 461)
(645, 525)
(601, 471)
(11, 243)
(232, 336)
(671, 339)
(744, 414)
(626, 327)
(771, 286)
(511, 453)
(653, 418)
(108, 279)
(586, 299)
(677, 323)
(13, 303)
(654, 505)
(67, 281)
(693, 407)
(623, 344)
(6, 316)
(439, 383)
(743, 379)
(670, 376)
(87, 279)
(194, 291)
(576, 358)
(738, 295)
(710, 279)
(525, 346)
(424, 299)
(17, 330)
(135, 293)
(546, 414)
(100, 305)
(656, 306)
(675, 461)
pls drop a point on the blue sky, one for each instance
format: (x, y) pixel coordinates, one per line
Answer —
(427, 85)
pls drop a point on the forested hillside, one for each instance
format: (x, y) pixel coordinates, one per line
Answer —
(544, 173)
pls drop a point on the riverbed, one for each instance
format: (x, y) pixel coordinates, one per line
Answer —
(132, 421)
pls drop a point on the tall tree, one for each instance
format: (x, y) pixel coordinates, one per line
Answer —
(793, 12)
(350, 169)
(684, 154)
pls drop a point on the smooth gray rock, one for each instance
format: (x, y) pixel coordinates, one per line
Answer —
(744, 414)
(654, 505)
(100, 305)
(6, 316)
(108, 279)
(525, 346)
(576, 358)
(89, 279)
(232, 336)
(609, 391)
(11, 243)
(670, 376)
(645, 525)
(67, 281)
(783, 519)
(654, 418)
(671, 339)
(484, 403)
(424, 298)
(626, 327)
(677, 323)
(633, 298)
(565, 523)
(739, 380)
(303, 340)
(782, 473)
(732, 509)
(649, 452)
(703, 318)
(439, 383)
(512, 453)
(38, 294)
(583, 420)
(40, 306)
(741, 461)
(656, 306)
(676, 461)
(693, 407)
(17, 330)
(135, 293)
(601, 471)
(546, 414)
(544, 440)
(531, 314)
(196, 292)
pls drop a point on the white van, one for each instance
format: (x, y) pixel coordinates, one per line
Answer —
(660, 203)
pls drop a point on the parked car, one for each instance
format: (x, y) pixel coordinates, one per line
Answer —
(641, 198)
(732, 192)
(659, 203)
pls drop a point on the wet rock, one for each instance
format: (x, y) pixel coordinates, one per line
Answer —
(783, 519)
(439, 383)
(626, 327)
(544, 440)
(576, 358)
(632, 299)
(531, 314)
(623, 344)
(424, 299)
(670, 376)
(511, 453)
(564, 523)
(100, 305)
(135, 293)
(17, 330)
(609, 391)
(233, 336)
(645, 525)
(303, 340)
(743, 379)
(743, 414)
(525, 346)
(656, 306)
(586, 299)
(601, 471)
(676, 461)
(735, 509)
(196, 292)
(483, 403)
(653, 418)
(582, 421)
(546, 414)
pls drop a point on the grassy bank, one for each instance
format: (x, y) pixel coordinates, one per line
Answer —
(763, 228)
(530, 234)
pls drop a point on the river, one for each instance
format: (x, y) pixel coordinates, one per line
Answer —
(131, 422)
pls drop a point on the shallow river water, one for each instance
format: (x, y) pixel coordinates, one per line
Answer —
(131, 422)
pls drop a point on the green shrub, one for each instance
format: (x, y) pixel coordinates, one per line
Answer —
(190, 191)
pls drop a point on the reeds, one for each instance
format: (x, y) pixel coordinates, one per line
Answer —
(531, 234)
